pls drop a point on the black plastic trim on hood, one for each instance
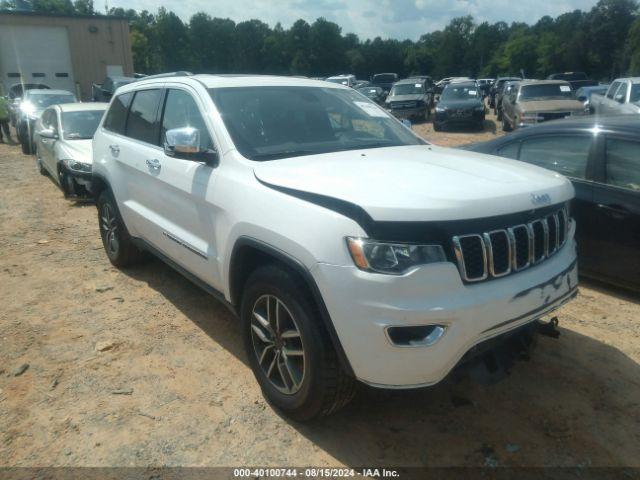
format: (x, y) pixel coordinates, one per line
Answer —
(438, 231)
(348, 209)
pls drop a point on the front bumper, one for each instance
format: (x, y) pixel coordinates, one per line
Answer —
(409, 112)
(363, 305)
(447, 118)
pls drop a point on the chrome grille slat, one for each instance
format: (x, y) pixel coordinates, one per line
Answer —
(498, 253)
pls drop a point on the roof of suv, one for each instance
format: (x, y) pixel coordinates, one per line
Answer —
(524, 83)
(231, 80)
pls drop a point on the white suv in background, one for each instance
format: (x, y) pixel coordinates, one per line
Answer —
(350, 248)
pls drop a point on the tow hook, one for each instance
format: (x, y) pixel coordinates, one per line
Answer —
(549, 329)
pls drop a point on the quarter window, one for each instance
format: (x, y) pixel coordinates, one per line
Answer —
(622, 93)
(181, 110)
(623, 163)
(565, 154)
(117, 114)
(510, 150)
(142, 122)
(612, 89)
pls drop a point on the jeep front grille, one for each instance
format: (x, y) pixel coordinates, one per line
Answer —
(500, 252)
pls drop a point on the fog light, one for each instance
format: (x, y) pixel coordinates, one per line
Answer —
(415, 336)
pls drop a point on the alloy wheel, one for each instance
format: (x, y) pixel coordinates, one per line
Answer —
(277, 344)
(109, 226)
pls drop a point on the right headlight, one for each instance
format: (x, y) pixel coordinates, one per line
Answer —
(392, 258)
(440, 109)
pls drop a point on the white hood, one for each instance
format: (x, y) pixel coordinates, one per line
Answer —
(79, 150)
(419, 183)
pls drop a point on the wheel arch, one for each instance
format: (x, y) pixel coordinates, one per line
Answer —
(98, 185)
(249, 253)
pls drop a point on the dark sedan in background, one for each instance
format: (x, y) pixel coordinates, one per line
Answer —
(460, 104)
(601, 157)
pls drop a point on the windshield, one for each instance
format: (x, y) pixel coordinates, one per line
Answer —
(407, 89)
(370, 91)
(635, 93)
(268, 123)
(42, 101)
(118, 83)
(341, 81)
(384, 78)
(459, 92)
(80, 125)
(545, 91)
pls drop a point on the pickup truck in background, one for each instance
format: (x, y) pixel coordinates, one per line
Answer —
(576, 79)
(102, 92)
(623, 97)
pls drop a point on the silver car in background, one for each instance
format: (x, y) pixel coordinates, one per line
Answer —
(62, 140)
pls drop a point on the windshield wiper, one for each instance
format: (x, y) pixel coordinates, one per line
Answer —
(283, 154)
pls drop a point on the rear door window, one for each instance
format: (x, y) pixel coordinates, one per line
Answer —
(623, 163)
(117, 115)
(565, 154)
(142, 122)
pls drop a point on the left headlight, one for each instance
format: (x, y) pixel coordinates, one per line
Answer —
(392, 258)
(77, 166)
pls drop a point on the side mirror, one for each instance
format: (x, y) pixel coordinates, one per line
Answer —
(620, 98)
(184, 143)
(48, 133)
(406, 123)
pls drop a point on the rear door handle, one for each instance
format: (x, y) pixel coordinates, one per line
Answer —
(115, 150)
(615, 210)
(153, 164)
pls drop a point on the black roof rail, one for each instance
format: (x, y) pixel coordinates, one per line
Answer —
(181, 73)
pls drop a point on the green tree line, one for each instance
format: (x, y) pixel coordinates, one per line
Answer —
(604, 42)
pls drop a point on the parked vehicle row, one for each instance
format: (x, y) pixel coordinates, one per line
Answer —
(62, 139)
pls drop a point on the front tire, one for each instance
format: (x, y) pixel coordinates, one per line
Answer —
(116, 240)
(506, 127)
(40, 166)
(26, 146)
(437, 127)
(288, 349)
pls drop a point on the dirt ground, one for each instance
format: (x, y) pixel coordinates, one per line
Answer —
(141, 368)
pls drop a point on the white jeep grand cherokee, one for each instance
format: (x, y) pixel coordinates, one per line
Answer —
(350, 248)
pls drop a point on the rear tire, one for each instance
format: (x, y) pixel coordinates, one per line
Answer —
(292, 358)
(116, 240)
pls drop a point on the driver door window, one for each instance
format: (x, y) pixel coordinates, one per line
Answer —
(181, 110)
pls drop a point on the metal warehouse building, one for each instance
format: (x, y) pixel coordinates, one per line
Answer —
(67, 52)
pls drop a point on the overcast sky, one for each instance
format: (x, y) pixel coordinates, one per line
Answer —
(367, 18)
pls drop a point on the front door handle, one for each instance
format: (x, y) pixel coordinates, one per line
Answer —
(153, 164)
(115, 150)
